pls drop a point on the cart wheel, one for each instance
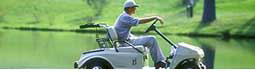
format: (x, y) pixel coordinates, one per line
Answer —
(188, 64)
(97, 64)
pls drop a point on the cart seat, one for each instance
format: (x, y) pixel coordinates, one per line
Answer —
(130, 49)
(114, 37)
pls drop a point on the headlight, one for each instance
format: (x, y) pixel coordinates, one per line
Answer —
(200, 52)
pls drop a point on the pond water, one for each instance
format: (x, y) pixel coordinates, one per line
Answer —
(36, 49)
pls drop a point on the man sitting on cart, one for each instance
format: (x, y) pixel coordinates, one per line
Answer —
(123, 26)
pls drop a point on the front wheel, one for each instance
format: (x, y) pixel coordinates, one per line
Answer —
(190, 64)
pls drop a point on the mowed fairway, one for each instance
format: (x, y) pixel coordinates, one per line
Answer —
(236, 16)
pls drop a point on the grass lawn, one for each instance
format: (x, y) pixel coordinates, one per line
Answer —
(235, 16)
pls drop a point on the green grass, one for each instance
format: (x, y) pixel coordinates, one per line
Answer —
(237, 16)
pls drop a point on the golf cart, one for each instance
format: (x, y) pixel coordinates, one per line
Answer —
(111, 55)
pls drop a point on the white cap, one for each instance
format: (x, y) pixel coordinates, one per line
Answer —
(130, 3)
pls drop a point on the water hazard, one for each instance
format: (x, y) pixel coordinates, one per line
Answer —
(36, 49)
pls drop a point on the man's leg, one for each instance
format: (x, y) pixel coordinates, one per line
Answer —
(151, 43)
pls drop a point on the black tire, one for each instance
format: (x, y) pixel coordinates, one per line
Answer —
(188, 64)
(97, 64)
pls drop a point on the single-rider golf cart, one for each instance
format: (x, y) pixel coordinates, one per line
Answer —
(111, 55)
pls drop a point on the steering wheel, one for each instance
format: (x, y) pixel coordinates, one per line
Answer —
(152, 27)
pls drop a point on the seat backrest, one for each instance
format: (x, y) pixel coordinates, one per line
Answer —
(112, 33)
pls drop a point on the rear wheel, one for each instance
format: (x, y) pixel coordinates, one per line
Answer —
(97, 64)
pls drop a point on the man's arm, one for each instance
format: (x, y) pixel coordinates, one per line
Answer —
(149, 19)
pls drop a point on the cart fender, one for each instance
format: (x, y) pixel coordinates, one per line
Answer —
(95, 57)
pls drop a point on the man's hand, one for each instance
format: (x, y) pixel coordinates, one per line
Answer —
(149, 19)
(160, 19)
